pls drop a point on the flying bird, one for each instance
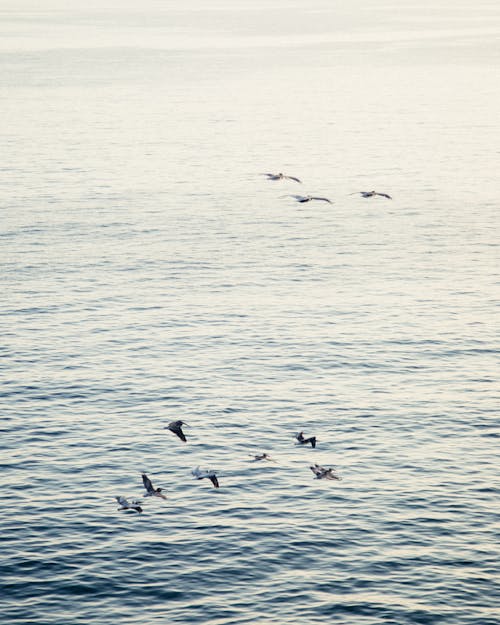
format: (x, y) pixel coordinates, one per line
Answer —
(281, 177)
(308, 198)
(151, 491)
(371, 194)
(126, 505)
(304, 441)
(263, 456)
(324, 474)
(199, 474)
(176, 428)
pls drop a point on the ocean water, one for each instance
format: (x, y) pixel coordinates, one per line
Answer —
(151, 273)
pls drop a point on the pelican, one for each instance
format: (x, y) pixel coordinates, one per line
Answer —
(324, 474)
(281, 176)
(126, 505)
(263, 456)
(176, 428)
(371, 194)
(303, 441)
(151, 491)
(199, 474)
(308, 198)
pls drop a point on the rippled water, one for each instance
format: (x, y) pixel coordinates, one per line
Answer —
(150, 273)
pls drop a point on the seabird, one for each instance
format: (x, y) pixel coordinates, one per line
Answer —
(303, 441)
(263, 456)
(148, 485)
(281, 176)
(199, 474)
(126, 505)
(176, 428)
(371, 194)
(324, 474)
(308, 198)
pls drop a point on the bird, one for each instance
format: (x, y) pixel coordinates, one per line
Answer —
(126, 505)
(303, 441)
(308, 198)
(151, 491)
(324, 474)
(176, 428)
(281, 176)
(371, 194)
(263, 456)
(199, 474)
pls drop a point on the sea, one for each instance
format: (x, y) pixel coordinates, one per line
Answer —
(151, 272)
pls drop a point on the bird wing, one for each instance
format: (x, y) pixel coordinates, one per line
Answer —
(325, 199)
(180, 434)
(332, 476)
(297, 197)
(385, 195)
(176, 428)
(316, 469)
(148, 485)
(312, 440)
(214, 480)
(122, 501)
(293, 178)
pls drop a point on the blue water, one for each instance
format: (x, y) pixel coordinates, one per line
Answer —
(150, 273)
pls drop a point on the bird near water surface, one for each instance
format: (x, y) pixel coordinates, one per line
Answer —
(199, 474)
(151, 490)
(308, 198)
(324, 474)
(128, 505)
(176, 428)
(301, 440)
(371, 194)
(263, 456)
(281, 176)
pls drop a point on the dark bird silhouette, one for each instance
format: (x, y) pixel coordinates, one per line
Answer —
(151, 491)
(263, 456)
(308, 198)
(199, 474)
(304, 441)
(281, 177)
(324, 474)
(176, 428)
(371, 194)
(126, 505)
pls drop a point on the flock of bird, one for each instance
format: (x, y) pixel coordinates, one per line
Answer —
(309, 198)
(321, 473)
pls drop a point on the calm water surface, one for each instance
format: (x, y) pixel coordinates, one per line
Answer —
(150, 273)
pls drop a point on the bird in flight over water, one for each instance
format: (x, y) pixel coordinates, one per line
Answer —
(199, 474)
(263, 456)
(126, 505)
(281, 177)
(151, 491)
(371, 194)
(303, 441)
(324, 474)
(176, 428)
(308, 198)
